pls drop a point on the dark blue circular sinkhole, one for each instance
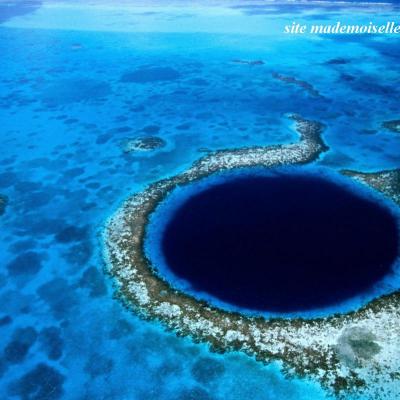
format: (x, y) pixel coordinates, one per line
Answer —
(280, 243)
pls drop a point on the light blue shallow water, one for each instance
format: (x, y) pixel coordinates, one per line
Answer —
(64, 111)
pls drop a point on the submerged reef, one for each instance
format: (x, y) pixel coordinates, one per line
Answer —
(337, 61)
(148, 74)
(347, 352)
(386, 182)
(294, 81)
(248, 62)
(393, 125)
(3, 204)
(142, 144)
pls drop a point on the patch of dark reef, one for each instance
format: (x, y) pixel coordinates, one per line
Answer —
(42, 382)
(337, 61)
(140, 144)
(393, 125)
(284, 242)
(248, 62)
(150, 74)
(3, 204)
(294, 81)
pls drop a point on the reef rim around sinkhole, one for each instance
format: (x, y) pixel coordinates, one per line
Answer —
(321, 347)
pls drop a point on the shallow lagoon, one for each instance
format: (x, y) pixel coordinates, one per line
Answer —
(65, 108)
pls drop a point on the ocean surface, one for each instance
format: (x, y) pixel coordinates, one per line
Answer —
(77, 80)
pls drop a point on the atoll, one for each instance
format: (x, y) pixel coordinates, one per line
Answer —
(356, 351)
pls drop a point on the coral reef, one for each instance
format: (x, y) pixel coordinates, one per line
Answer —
(294, 81)
(393, 125)
(248, 62)
(143, 144)
(347, 352)
(3, 204)
(386, 182)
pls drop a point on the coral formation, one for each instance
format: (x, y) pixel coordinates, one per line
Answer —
(3, 204)
(294, 81)
(393, 125)
(344, 352)
(143, 144)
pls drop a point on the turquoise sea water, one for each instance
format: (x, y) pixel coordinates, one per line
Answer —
(66, 105)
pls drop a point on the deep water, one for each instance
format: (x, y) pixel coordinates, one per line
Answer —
(331, 293)
(70, 96)
(280, 242)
